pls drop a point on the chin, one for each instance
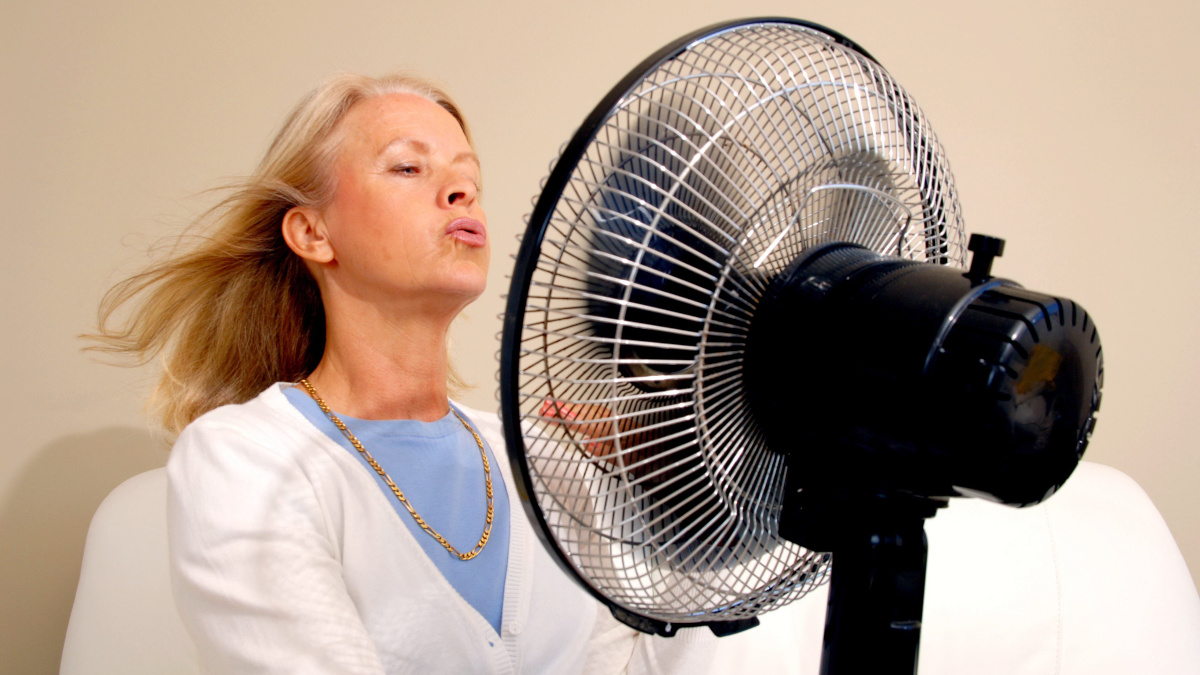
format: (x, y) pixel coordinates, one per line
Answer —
(468, 284)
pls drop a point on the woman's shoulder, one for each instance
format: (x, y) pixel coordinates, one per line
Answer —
(488, 423)
(482, 418)
(266, 425)
(269, 407)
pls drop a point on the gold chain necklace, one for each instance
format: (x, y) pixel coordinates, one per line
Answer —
(487, 474)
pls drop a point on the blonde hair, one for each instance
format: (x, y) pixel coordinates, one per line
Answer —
(237, 310)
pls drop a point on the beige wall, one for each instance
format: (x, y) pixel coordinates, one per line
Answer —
(1071, 128)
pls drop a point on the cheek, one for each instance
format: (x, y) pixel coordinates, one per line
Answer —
(348, 215)
(370, 230)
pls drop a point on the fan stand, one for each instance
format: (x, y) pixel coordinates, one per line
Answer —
(873, 619)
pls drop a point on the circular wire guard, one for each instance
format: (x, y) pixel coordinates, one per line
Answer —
(709, 175)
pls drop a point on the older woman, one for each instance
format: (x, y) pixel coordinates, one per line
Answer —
(330, 509)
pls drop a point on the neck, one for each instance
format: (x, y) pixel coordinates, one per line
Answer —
(377, 367)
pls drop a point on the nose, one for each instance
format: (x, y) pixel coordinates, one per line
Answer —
(459, 191)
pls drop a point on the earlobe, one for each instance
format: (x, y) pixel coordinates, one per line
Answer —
(305, 234)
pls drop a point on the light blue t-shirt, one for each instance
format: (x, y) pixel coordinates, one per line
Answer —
(438, 468)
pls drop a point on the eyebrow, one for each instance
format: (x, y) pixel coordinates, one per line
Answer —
(423, 147)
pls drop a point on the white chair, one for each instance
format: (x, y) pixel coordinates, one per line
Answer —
(1089, 582)
(124, 619)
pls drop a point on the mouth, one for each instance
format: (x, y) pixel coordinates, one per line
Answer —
(469, 231)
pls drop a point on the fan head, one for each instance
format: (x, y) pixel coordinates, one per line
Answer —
(691, 187)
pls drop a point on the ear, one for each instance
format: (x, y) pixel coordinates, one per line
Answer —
(305, 234)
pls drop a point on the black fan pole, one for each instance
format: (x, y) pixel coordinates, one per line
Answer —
(873, 620)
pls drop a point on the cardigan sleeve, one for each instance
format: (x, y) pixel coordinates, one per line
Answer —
(255, 573)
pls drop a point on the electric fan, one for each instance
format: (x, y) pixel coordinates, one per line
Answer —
(740, 343)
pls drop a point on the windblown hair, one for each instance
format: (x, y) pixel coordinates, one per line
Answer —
(235, 310)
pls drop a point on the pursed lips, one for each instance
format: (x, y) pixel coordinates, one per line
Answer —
(469, 231)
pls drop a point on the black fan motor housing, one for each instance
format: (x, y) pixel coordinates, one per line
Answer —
(887, 377)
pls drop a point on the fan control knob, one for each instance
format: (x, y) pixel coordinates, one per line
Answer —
(984, 250)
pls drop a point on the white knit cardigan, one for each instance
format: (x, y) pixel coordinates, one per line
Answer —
(286, 557)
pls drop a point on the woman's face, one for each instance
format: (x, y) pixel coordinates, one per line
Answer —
(405, 222)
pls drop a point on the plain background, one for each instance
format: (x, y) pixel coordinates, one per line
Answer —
(1071, 128)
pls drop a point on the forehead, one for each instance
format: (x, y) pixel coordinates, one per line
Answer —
(372, 124)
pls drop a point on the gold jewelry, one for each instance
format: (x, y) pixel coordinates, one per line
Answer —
(487, 474)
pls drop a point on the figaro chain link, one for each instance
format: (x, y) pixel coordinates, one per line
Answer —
(487, 474)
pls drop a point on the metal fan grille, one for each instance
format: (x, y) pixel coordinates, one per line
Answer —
(706, 180)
